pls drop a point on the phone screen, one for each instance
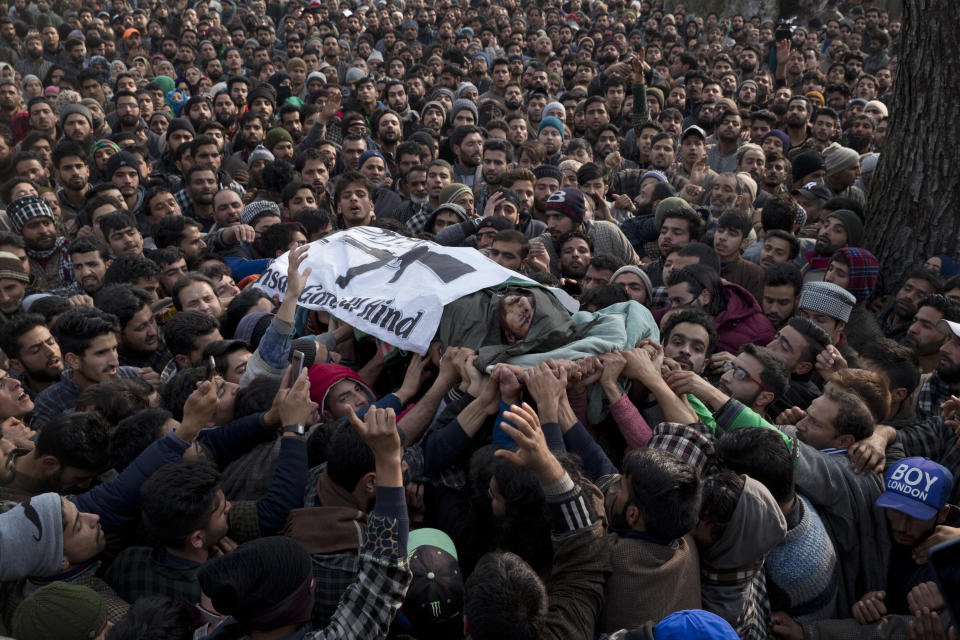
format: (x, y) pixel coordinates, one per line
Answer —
(297, 361)
(945, 559)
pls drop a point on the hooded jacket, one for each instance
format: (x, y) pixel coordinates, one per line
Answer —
(324, 376)
(742, 321)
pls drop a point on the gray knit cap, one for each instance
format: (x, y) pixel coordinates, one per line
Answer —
(76, 108)
(257, 208)
(31, 538)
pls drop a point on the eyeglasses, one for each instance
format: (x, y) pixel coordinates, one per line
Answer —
(741, 374)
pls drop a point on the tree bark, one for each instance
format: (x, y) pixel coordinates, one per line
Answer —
(913, 208)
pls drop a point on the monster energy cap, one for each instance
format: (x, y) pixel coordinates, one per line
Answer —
(433, 607)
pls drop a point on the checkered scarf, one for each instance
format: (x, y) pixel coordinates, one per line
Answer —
(864, 270)
(60, 252)
(692, 443)
(932, 394)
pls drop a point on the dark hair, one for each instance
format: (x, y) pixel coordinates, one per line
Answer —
(168, 255)
(735, 220)
(666, 489)
(88, 244)
(703, 252)
(135, 433)
(606, 261)
(792, 242)
(130, 269)
(11, 239)
(168, 231)
(354, 177)
(692, 316)
(278, 237)
(66, 149)
(784, 274)
(77, 328)
(51, 307)
(257, 396)
(348, 458)
(457, 135)
(853, 418)
(721, 494)
(571, 235)
(314, 220)
(75, 439)
(115, 398)
(123, 301)
(840, 202)
(177, 390)
(12, 330)
(505, 598)
(899, 363)
(919, 273)
(184, 328)
(155, 618)
(817, 339)
(178, 499)
(775, 376)
(116, 221)
(761, 454)
(220, 350)
(602, 296)
(700, 277)
(695, 222)
(499, 144)
(240, 306)
(779, 212)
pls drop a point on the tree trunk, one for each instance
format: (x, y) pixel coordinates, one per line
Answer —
(913, 208)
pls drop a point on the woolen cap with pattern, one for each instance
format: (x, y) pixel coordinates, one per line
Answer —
(257, 208)
(453, 191)
(11, 268)
(569, 202)
(827, 298)
(26, 208)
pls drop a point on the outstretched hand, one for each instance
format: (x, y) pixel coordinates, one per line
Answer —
(532, 451)
(379, 430)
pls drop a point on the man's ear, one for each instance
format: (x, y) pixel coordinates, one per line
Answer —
(706, 297)
(16, 365)
(744, 242)
(369, 483)
(72, 360)
(183, 362)
(196, 540)
(49, 464)
(804, 368)
(896, 395)
(846, 441)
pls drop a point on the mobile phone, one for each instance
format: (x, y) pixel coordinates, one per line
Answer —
(296, 359)
(211, 368)
(945, 560)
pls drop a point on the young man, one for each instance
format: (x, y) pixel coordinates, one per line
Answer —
(827, 306)
(121, 233)
(756, 377)
(730, 238)
(186, 335)
(778, 246)
(90, 258)
(799, 342)
(782, 283)
(31, 217)
(510, 249)
(14, 280)
(88, 341)
(354, 203)
(33, 353)
(195, 292)
(678, 225)
(72, 172)
(897, 315)
(140, 343)
(924, 336)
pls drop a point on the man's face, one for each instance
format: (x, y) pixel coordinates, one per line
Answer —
(39, 355)
(923, 336)
(191, 242)
(207, 155)
(596, 117)
(125, 242)
(302, 199)
(42, 118)
(909, 296)
(11, 294)
(352, 150)
(507, 254)
(200, 296)
(574, 258)
(202, 187)
(73, 173)
(741, 380)
(40, 233)
(140, 333)
(375, 170)
(127, 180)
(227, 206)
(662, 154)
(688, 344)
(32, 170)
(89, 269)
(817, 427)
(343, 396)
(674, 233)
(832, 236)
(83, 537)
(779, 303)
(470, 150)
(595, 278)
(692, 149)
(774, 250)
(99, 362)
(753, 162)
(559, 224)
(907, 530)
(355, 205)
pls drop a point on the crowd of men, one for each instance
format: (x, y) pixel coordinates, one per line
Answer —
(776, 465)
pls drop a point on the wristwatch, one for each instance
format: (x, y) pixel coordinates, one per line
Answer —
(299, 428)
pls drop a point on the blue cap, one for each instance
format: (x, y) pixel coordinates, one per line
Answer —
(551, 121)
(918, 487)
(694, 624)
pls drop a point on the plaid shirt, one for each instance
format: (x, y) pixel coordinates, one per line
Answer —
(933, 393)
(62, 397)
(659, 298)
(142, 571)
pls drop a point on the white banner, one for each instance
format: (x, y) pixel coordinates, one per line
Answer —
(386, 285)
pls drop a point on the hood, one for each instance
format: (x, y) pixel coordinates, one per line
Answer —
(324, 376)
(740, 304)
(756, 512)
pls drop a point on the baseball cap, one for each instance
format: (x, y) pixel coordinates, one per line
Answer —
(693, 130)
(813, 191)
(434, 601)
(953, 327)
(918, 487)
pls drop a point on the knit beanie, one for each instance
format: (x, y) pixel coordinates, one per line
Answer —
(637, 271)
(354, 75)
(852, 223)
(276, 136)
(257, 208)
(548, 171)
(260, 153)
(60, 610)
(836, 158)
(495, 222)
(805, 163)
(453, 191)
(31, 538)
(11, 268)
(551, 121)
(509, 195)
(253, 581)
(569, 202)
(672, 205)
(27, 208)
(784, 138)
(252, 326)
(76, 108)
(366, 155)
(316, 75)
(180, 123)
(263, 91)
(550, 107)
(464, 104)
(464, 87)
(323, 376)
(657, 94)
(882, 108)
(433, 104)
(424, 138)
(118, 160)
